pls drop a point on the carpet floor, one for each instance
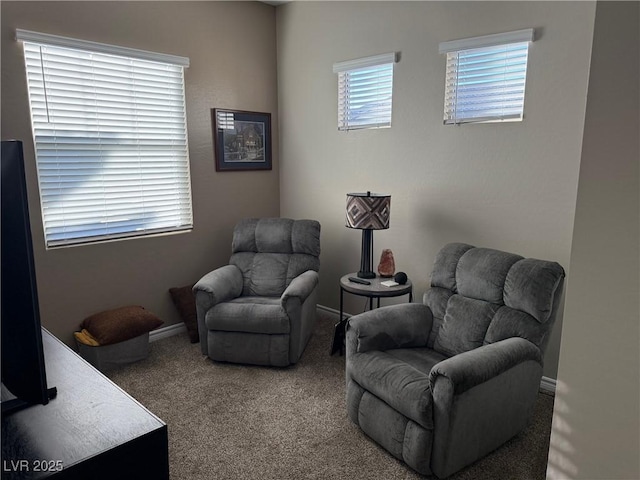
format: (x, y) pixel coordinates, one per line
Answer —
(246, 422)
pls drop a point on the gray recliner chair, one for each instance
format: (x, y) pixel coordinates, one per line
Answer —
(443, 383)
(261, 308)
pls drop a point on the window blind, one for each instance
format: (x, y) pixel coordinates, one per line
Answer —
(365, 91)
(486, 83)
(111, 142)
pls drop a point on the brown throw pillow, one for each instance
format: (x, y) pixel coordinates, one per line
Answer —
(120, 324)
(185, 302)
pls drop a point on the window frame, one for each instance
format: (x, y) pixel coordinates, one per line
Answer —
(459, 51)
(377, 70)
(169, 209)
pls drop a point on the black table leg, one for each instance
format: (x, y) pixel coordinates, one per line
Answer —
(339, 329)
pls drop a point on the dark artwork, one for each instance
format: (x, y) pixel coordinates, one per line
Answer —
(242, 140)
(245, 143)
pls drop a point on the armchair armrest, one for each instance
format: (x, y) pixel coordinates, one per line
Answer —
(466, 370)
(395, 326)
(221, 285)
(300, 287)
(299, 301)
(481, 398)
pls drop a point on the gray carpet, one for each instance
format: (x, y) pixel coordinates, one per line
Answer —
(244, 422)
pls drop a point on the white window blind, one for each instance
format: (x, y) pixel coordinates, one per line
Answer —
(485, 77)
(110, 135)
(365, 91)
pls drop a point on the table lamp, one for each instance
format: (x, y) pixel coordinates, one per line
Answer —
(368, 212)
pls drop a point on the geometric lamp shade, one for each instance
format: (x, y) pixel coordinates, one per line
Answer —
(368, 211)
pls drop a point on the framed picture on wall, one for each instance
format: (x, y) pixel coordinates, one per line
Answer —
(241, 140)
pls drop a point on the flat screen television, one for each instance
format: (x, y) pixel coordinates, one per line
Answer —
(24, 380)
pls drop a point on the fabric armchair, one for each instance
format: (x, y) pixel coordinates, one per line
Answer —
(260, 309)
(441, 384)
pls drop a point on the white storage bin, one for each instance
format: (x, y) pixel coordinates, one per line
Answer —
(107, 357)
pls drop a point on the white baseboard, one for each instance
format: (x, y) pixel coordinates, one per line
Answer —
(328, 310)
(168, 331)
(547, 384)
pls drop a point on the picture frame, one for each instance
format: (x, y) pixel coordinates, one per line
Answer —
(242, 140)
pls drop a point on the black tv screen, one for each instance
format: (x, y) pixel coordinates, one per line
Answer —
(23, 368)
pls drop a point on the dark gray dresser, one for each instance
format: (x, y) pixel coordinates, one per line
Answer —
(92, 430)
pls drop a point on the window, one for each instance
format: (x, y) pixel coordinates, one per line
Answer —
(365, 88)
(110, 136)
(485, 79)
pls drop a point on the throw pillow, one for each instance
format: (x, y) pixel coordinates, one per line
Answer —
(120, 324)
(185, 302)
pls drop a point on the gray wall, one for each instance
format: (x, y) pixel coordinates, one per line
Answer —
(509, 186)
(232, 47)
(596, 420)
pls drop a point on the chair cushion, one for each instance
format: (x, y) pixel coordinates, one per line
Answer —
(481, 273)
(271, 252)
(273, 235)
(436, 299)
(443, 274)
(531, 286)
(277, 235)
(250, 315)
(268, 276)
(422, 359)
(305, 237)
(400, 378)
(465, 325)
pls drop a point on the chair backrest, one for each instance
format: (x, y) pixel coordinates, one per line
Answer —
(480, 296)
(271, 252)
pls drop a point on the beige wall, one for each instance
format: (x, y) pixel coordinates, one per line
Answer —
(507, 186)
(232, 50)
(596, 420)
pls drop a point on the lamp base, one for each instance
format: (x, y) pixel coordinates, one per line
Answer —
(366, 263)
(366, 275)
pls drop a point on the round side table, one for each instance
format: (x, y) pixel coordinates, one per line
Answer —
(375, 290)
